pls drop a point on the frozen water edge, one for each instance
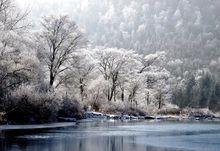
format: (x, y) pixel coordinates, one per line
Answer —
(36, 126)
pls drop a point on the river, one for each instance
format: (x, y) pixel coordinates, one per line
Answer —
(118, 136)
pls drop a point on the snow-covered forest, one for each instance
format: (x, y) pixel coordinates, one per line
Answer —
(108, 56)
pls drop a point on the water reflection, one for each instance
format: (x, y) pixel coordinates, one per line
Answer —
(118, 137)
(109, 143)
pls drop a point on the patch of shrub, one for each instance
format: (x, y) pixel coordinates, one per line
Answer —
(96, 106)
(26, 106)
(124, 110)
(70, 108)
(93, 105)
(173, 111)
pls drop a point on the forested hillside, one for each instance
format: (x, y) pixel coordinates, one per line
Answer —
(187, 31)
(109, 56)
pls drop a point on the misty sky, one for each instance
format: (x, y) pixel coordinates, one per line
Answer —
(40, 8)
(54, 5)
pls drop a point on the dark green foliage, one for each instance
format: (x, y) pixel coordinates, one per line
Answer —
(214, 104)
(184, 96)
(189, 90)
(206, 86)
(202, 92)
(178, 98)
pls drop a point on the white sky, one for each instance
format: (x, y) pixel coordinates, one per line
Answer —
(40, 8)
(25, 3)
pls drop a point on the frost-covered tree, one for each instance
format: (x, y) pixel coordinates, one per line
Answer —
(57, 42)
(127, 77)
(142, 55)
(157, 80)
(18, 62)
(111, 61)
(81, 73)
(15, 47)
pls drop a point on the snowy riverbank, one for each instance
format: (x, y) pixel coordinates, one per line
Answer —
(193, 115)
(91, 116)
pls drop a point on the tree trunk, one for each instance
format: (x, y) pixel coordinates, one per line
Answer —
(81, 89)
(122, 95)
(111, 94)
(160, 101)
(147, 98)
(51, 79)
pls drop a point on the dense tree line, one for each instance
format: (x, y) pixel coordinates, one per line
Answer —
(55, 71)
(187, 30)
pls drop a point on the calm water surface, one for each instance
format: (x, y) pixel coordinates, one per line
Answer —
(119, 136)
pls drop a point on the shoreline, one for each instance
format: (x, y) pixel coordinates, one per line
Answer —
(104, 118)
(36, 126)
(181, 117)
(164, 115)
